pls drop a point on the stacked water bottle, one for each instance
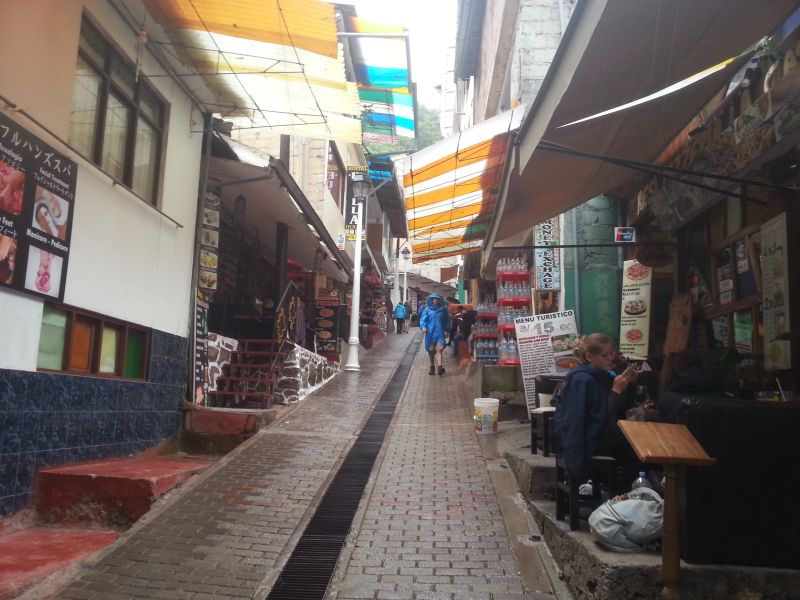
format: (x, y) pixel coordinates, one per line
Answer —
(509, 313)
(486, 351)
(486, 308)
(481, 329)
(514, 289)
(507, 349)
(512, 265)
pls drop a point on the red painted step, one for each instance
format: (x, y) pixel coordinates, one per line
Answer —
(30, 555)
(110, 491)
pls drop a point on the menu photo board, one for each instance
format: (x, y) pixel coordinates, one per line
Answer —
(545, 345)
(208, 273)
(775, 292)
(634, 322)
(37, 201)
(326, 325)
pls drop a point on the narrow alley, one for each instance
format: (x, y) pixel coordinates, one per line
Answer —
(429, 525)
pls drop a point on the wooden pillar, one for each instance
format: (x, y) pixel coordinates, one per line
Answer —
(670, 541)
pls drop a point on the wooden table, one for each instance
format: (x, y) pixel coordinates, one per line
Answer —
(673, 446)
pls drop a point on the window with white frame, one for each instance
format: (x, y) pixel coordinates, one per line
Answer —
(117, 119)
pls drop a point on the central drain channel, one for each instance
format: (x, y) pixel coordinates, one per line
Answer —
(307, 574)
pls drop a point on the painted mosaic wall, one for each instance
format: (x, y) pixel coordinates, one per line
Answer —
(302, 372)
(49, 419)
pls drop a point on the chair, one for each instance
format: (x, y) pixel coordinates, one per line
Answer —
(569, 500)
(542, 415)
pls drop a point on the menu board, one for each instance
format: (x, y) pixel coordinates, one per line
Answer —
(547, 269)
(545, 345)
(326, 325)
(634, 322)
(37, 201)
(209, 245)
(775, 291)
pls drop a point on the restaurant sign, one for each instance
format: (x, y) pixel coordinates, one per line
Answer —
(546, 261)
(634, 331)
(37, 201)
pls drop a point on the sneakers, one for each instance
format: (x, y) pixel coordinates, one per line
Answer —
(432, 371)
(441, 370)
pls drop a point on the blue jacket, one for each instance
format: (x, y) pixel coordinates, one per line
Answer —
(400, 312)
(582, 414)
(436, 321)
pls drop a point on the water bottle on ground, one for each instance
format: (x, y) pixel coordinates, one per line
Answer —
(641, 481)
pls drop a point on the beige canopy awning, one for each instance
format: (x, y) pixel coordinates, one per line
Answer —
(615, 52)
(271, 196)
(261, 64)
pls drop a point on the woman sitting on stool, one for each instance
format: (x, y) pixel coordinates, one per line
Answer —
(591, 402)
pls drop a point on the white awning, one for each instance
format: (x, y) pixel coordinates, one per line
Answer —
(613, 53)
(268, 202)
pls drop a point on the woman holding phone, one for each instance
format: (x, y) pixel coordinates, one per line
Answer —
(594, 397)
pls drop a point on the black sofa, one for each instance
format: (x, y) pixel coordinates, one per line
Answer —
(745, 510)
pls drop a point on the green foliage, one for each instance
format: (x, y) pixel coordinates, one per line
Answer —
(428, 132)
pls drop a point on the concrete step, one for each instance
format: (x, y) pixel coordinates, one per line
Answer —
(113, 492)
(212, 430)
(30, 555)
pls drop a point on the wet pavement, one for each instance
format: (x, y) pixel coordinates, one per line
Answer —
(433, 522)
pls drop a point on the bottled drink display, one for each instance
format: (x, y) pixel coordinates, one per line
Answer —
(494, 338)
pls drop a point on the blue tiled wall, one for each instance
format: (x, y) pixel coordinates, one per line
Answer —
(48, 419)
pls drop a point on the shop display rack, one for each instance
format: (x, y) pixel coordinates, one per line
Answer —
(513, 300)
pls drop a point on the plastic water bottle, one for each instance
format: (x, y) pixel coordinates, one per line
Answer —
(641, 481)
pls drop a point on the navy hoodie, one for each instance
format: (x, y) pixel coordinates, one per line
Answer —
(584, 409)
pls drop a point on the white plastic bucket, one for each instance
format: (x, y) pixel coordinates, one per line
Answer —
(486, 410)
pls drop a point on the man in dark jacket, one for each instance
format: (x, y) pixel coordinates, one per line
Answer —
(688, 377)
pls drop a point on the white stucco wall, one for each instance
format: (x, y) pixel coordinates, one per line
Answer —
(126, 260)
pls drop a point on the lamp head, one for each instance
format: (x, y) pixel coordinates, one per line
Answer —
(405, 252)
(360, 184)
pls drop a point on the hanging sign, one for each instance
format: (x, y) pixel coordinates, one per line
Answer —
(37, 201)
(546, 262)
(634, 334)
(353, 207)
(775, 290)
(545, 345)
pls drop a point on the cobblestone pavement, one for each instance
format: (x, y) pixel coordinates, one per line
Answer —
(430, 527)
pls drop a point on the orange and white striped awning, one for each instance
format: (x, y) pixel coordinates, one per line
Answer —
(451, 188)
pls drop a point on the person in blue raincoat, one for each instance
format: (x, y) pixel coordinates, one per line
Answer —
(434, 323)
(400, 316)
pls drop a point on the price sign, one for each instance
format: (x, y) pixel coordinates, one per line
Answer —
(545, 347)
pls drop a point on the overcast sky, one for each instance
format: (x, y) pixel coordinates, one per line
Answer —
(432, 28)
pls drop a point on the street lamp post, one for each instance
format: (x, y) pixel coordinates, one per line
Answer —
(360, 186)
(405, 254)
(396, 285)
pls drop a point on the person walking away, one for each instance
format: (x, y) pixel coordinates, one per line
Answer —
(457, 332)
(590, 404)
(400, 317)
(435, 321)
(408, 315)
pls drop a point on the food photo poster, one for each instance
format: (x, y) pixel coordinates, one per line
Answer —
(37, 192)
(634, 333)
